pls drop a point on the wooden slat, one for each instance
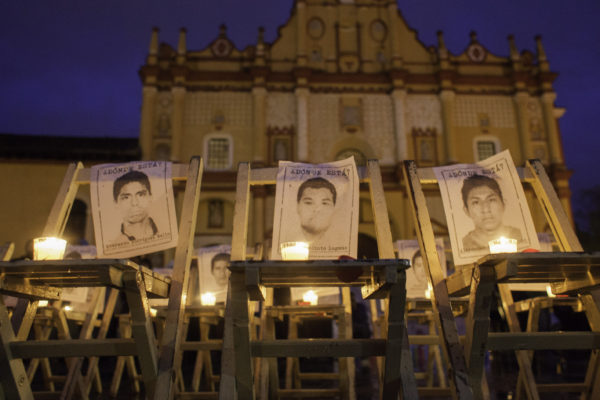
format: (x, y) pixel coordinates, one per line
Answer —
(319, 348)
(57, 219)
(550, 203)
(172, 335)
(73, 348)
(445, 322)
(308, 393)
(562, 340)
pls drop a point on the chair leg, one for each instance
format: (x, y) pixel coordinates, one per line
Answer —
(13, 377)
(142, 330)
(523, 357)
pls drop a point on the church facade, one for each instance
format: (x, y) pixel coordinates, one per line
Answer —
(344, 78)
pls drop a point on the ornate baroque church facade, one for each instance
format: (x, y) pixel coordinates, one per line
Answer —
(344, 78)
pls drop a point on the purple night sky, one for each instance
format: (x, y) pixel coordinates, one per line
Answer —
(69, 67)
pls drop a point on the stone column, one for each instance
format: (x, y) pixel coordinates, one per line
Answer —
(398, 101)
(302, 121)
(149, 94)
(259, 98)
(177, 123)
(551, 130)
(521, 99)
(447, 99)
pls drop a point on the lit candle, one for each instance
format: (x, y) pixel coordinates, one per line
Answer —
(310, 297)
(294, 251)
(152, 312)
(48, 248)
(503, 245)
(549, 291)
(428, 291)
(208, 299)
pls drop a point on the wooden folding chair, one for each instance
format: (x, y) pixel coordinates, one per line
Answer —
(568, 271)
(35, 280)
(377, 278)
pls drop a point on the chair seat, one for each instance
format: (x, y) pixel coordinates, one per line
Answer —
(564, 271)
(40, 279)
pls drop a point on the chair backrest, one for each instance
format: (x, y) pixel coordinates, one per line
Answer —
(248, 177)
(76, 176)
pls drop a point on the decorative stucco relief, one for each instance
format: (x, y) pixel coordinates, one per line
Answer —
(281, 109)
(201, 107)
(500, 110)
(378, 127)
(423, 112)
(323, 125)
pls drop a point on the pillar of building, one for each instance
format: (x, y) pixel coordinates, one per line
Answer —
(398, 101)
(447, 98)
(551, 129)
(177, 122)
(149, 94)
(521, 99)
(302, 94)
(259, 101)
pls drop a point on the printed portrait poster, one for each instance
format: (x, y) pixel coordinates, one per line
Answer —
(133, 208)
(416, 275)
(80, 295)
(482, 202)
(318, 204)
(213, 273)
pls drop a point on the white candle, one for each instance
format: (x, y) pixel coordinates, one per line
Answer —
(208, 299)
(428, 291)
(294, 251)
(48, 248)
(503, 245)
(310, 297)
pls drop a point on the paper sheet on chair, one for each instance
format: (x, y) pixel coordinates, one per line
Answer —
(318, 204)
(133, 208)
(416, 275)
(482, 202)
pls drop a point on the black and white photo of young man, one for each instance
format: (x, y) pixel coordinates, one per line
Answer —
(317, 204)
(483, 202)
(133, 208)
